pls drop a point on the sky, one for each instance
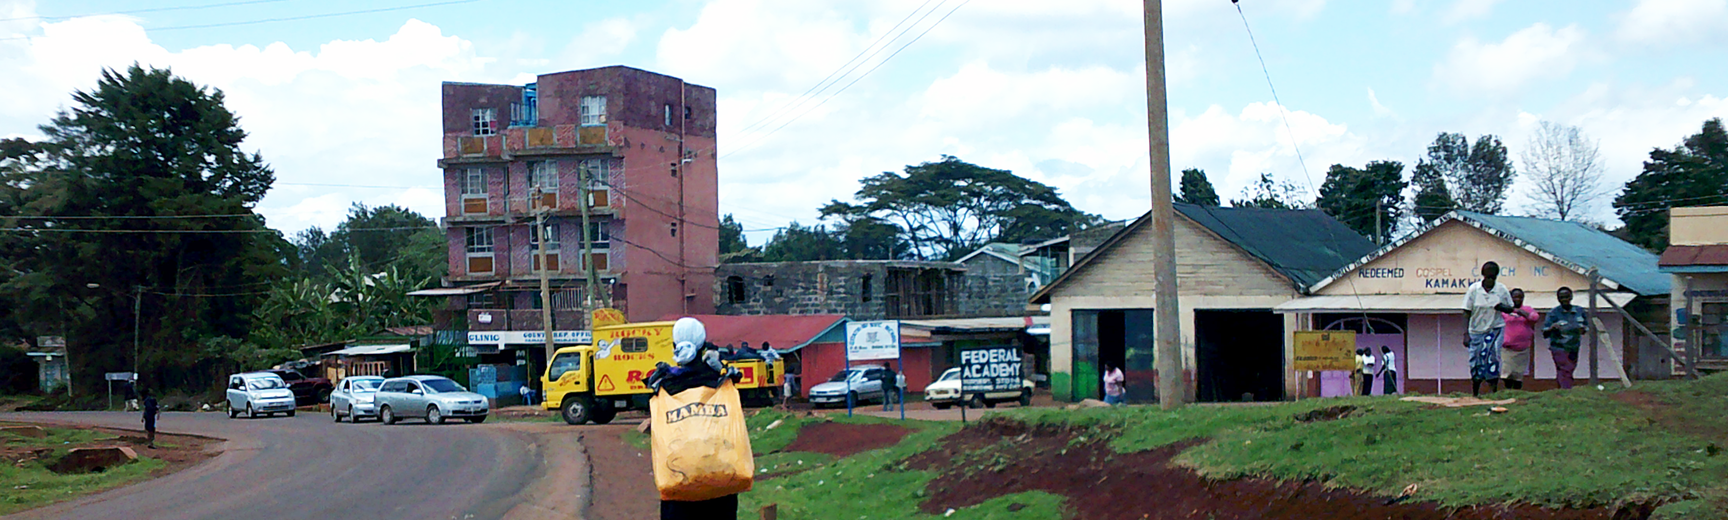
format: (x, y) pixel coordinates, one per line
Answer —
(342, 99)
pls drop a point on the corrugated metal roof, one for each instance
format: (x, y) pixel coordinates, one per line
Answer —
(1616, 259)
(784, 332)
(1426, 303)
(1304, 245)
(951, 325)
(1681, 256)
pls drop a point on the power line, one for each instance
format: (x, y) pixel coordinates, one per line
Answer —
(355, 186)
(1281, 112)
(137, 11)
(849, 85)
(288, 18)
(185, 231)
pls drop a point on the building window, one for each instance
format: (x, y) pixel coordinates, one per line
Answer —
(768, 281)
(668, 114)
(567, 299)
(674, 229)
(485, 121)
(473, 181)
(483, 300)
(526, 113)
(549, 232)
(601, 235)
(598, 172)
(593, 110)
(543, 175)
(734, 289)
(479, 240)
(686, 112)
(865, 289)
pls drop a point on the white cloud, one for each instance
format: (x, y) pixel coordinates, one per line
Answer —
(1673, 21)
(1235, 149)
(1535, 52)
(1403, 6)
(1468, 9)
(1379, 109)
(600, 41)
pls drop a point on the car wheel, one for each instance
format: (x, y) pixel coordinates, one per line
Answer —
(1025, 398)
(250, 413)
(576, 409)
(433, 416)
(232, 413)
(336, 417)
(289, 413)
(976, 402)
(477, 420)
(386, 416)
(941, 406)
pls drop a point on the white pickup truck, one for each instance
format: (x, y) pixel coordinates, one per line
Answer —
(945, 392)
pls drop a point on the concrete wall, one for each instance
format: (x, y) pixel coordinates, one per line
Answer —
(1448, 259)
(1698, 226)
(993, 287)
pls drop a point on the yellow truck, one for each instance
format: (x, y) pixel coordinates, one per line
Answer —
(595, 382)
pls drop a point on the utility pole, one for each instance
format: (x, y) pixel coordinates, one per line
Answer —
(1595, 342)
(1166, 315)
(137, 313)
(589, 276)
(545, 271)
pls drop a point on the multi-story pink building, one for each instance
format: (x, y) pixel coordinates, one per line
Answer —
(645, 143)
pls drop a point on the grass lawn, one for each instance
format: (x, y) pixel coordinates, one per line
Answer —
(32, 485)
(1578, 448)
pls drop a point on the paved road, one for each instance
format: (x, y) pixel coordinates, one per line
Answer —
(308, 467)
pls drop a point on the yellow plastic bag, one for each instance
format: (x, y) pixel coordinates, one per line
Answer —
(701, 446)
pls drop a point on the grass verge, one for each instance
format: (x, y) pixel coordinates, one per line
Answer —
(30, 485)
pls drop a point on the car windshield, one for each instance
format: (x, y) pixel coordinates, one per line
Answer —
(265, 383)
(443, 385)
(367, 385)
(841, 377)
(950, 375)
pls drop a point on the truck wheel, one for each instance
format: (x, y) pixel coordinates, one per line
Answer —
(576, 409)
(976, 402)
(941, 406)
(1026, 398)
(323, 395)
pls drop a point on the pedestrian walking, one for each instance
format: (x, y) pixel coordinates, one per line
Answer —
(1388, 371)
(131, 390)
(1520, 337)
(151, 410)
(1485, 327)
(1114, 387)
(1564, 330)
(1365, 365)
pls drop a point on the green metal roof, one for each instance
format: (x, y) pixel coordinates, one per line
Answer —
(1305, 245)
(1617, 260)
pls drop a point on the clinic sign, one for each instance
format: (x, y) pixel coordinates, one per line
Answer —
(990, 369)
(529, 337)
(872, 340)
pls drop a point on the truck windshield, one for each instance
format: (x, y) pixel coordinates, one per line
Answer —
(566, 362)
(443, 386)
(951, 374)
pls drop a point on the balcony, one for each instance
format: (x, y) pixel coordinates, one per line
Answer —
(525, 319)
(461, 148)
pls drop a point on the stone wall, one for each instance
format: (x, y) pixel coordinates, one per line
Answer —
(857, 289)
(993, 286)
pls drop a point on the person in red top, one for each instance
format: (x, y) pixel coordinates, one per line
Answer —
(1520, 338)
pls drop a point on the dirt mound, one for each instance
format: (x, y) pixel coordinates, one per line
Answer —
(842, 440)
(1000, 457)
(92, 460)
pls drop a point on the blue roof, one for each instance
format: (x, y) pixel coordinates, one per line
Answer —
(1586, 247)
(1304, 245)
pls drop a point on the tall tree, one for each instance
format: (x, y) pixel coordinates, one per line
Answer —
(1479, 176)
(157, 161)
(1368, 199)
(949, 207)
(798, 243)
(869, 238)
(1270, 194)
(1694, 173)
(1196, 189)
(1565, 171)
(731, 237)
(1432, 199)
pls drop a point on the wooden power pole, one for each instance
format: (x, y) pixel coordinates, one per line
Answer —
(545, 272)
(1166, 316)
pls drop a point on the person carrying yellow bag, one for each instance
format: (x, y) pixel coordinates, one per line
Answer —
(702, 457)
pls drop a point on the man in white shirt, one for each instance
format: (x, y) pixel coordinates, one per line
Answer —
(1485, 328)
(1389, 370)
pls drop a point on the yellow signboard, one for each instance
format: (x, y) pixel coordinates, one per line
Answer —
(625, 354)
(604, 317)
(1325, 350)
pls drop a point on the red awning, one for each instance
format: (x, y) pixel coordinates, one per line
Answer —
(1681, 256)
(785, 333)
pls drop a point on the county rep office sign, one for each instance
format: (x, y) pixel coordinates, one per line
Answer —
(529, 337)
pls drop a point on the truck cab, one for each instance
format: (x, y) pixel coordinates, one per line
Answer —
(595, 382)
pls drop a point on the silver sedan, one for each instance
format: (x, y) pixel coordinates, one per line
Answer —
(353, 398)
(432, 398)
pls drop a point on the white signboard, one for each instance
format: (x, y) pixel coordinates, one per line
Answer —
(870, 340)
(529, 337)
(118, 376)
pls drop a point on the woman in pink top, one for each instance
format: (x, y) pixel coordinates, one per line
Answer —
(1520, 337)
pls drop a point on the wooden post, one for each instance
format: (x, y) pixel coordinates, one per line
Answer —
(1591, 323)
(1693, 336)
(1166, 312)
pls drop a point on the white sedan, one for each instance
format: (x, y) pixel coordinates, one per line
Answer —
(945, 392)
(353, 398)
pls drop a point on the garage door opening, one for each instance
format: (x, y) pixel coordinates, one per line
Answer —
(1114, 338)
(1240, 355)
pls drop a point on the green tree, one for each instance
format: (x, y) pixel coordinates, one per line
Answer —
(152, 165)
(733, 247)
(379, 237)
(947, 208)
(1268, 193)
(1478, 176)
(868, 238)
(798, 243)
(1432, 199)
(1693, 173)
(1368, 199)
(1196, 189)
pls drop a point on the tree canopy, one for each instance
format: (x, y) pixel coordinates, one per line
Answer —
(1368, 199)
(1270, 194)
(947, 208)
(377, 238)
(1196, 189)
(1478, 176)
(1694, 173)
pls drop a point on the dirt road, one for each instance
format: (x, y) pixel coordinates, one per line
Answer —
(310, 467)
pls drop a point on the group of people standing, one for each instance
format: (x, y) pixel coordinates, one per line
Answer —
(1367, 369)
(1501, 333)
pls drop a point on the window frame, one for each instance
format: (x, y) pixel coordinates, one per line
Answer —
(593, 111)
(598, 173)
(543, 175)
(550, 230)
(602, 242)
(471, 237)
(484, 121)
(473, 182)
